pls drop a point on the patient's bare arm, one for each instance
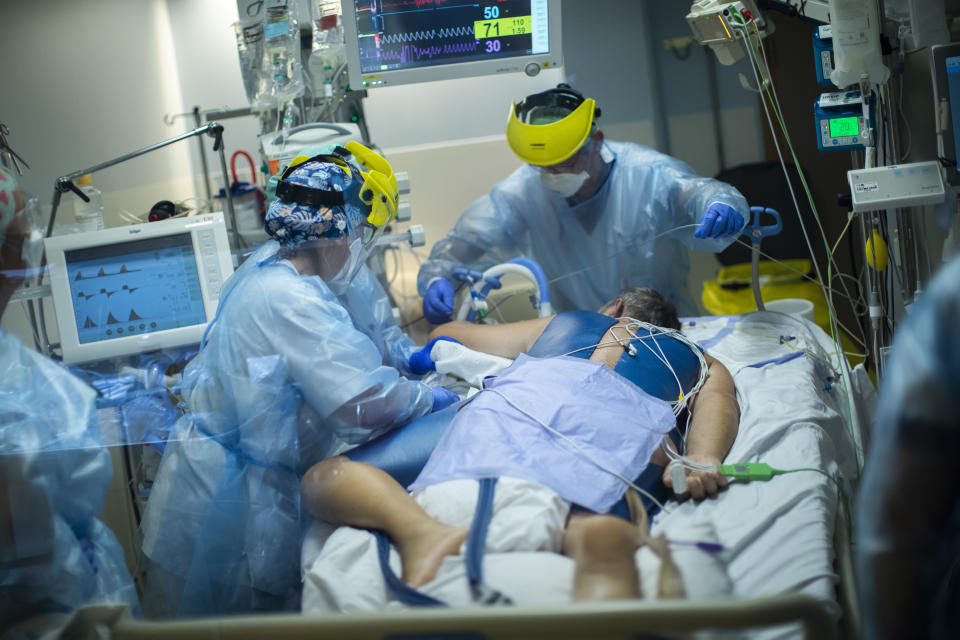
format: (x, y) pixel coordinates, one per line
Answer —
(506, 340)
(715, 417)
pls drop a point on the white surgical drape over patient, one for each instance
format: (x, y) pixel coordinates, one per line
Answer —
(591, 251)
(291, 374)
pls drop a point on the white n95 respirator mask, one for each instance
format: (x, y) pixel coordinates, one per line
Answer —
(565, 184)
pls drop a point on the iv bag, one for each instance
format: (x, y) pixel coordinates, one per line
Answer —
(250, 52)
(328, 55)
(281, 76)
(856, 43)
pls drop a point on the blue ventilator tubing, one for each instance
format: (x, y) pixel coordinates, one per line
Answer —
(402, 453)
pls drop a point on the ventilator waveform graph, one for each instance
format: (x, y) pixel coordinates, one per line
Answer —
(134, 288)
(400, 34)
(412, 52)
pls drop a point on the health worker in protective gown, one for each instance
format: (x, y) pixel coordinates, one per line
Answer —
(55, 555)
(302, 360)
(598, 216)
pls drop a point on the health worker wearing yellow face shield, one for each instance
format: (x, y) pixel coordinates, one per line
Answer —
(598, 216)
(302, 360)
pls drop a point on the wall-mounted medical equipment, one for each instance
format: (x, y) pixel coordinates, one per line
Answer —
(392, 42)
(415, 236)
(823, 54)
(896, 186)
(840, 122)
(280, 147)
(139, 288)
(719, 25)
(945, 60)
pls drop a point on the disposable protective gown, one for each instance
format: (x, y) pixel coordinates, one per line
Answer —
(54, 473)
(909, 499)
(290, 374)
(625, 235)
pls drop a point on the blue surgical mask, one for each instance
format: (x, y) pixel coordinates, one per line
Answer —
(565, 184)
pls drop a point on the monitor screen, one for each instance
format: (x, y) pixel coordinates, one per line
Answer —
(139, 288)
(953, 86)
(399, 41)
(945, 62)
(135, 287)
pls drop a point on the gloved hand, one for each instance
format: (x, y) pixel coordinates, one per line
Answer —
(438, 302)
(442, 398)
(421, 362)
(718, 221)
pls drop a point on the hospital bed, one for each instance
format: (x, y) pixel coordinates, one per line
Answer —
(778, 536)
(785, 570)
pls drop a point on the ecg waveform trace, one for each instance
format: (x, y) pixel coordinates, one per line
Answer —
(455, 32)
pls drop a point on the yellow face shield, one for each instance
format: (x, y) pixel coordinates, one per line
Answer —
(379, 190)
(548, 144)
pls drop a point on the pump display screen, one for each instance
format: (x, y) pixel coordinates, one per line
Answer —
(844, 127)
(137, 287)
(402, 34)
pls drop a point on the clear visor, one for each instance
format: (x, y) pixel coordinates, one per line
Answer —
(24, 238)
(544, 115)
(32, 251)
(369, 234)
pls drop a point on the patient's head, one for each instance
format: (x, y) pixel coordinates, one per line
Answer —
(644, 304)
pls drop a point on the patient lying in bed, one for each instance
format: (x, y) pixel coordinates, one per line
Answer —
(565, 431)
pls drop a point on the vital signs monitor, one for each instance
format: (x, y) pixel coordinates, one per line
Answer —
(393, 42)
(138, 288)
(945, 60)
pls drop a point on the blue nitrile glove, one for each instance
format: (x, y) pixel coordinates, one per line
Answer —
(421, 362)
(718, 221)
(442, 398)
(438, 302)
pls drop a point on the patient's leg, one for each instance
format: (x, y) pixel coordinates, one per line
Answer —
(343, 492)
(602, 547)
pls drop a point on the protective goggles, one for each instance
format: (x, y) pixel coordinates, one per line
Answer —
(548, 128)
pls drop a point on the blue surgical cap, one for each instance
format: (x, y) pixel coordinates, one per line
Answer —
(293, 224)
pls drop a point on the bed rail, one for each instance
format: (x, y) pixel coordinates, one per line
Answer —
(602, 620)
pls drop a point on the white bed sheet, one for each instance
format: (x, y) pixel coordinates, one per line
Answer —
(777, 535)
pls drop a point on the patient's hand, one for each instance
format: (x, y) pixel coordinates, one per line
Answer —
(700, 484)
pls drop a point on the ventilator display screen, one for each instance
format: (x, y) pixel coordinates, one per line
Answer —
(404, 34)
(844, 127)
(136, 287)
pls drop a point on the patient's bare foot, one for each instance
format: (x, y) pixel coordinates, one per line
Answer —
(670, 583)
(424, 548)
(602, 547)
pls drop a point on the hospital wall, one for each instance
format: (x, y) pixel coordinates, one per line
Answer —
(92, 80)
